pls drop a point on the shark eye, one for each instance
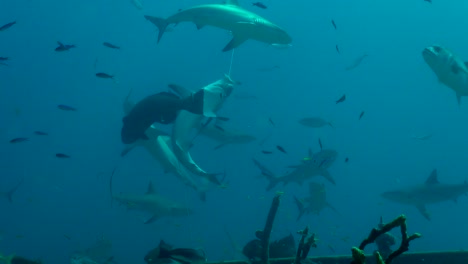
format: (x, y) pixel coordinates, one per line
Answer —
(437, 49)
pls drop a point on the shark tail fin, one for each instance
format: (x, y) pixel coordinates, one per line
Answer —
(10, 193)
(300, 207)
(161, 23)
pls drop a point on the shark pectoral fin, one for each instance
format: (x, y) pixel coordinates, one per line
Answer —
(422, 209)
(127, 150)
(328, 176)
(235, 42)
(152, 219)
(300, 207)
(199, 25)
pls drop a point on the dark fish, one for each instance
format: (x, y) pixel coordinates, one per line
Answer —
(271, 122)
(104, 75)
(283, 248)
(360, 116)
(158, 108)
(63, 47)
(66, 108)
(19, 140)
(267, 152)
(346, 160)
(219, 127)
(342, 99)
(260, 4)
(320, 143)
(429, 1)
(7, 26)
(62, 156)
(4, 58)
(40, 133)
(333, 23)
(165, 253)
(21, 260)
(109, 45)
(337, 49)
(280, 148)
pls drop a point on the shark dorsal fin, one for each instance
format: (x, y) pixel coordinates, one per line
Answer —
(232, 2)
(432, 178)
(150, 189)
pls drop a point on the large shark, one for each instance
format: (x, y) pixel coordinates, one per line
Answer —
(313, 165)
(432, 191)
(159, 145)
(449, 68)
(224, 135)
(315, 202)
(154, 204)
(186, 122)
(241, 23)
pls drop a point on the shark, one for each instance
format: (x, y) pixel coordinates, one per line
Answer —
(314, 164)
(450, 69)
(9, 194)
(153, 203)
(315, 202)
(431, 192)
(187, 121)
(224, 135)
(243, 24)
(159, 146)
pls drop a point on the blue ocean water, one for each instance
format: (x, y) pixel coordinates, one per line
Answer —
(64, 205)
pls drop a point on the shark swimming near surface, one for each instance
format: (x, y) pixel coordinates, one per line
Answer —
(153, 203)
(243, 24)
(315, 164)
(159, 146)
(451, 70)
(432, 191)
